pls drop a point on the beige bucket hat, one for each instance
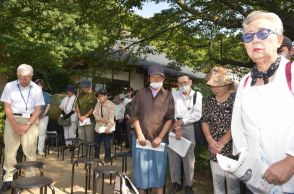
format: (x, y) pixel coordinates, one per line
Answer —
(218, 76)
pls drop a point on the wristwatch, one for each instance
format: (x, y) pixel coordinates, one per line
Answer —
(28, 123)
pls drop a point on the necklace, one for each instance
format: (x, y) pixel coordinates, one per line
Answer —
(264, 75)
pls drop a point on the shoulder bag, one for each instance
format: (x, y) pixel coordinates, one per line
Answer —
(65, 121)
(199, 136)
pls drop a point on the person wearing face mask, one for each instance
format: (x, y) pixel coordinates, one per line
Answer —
(186, 113)
(152, 113)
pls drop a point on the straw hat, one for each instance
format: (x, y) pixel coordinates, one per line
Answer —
(218, 76)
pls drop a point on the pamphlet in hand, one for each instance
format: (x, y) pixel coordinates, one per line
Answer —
(179, 146)
(249, 168)
(86, 122)
(102, 129)
(148, 146)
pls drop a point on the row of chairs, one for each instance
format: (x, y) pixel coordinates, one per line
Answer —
(56, 140)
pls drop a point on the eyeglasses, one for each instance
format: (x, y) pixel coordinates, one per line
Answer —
(261, 34)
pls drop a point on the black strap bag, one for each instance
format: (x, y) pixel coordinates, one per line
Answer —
(199, 136)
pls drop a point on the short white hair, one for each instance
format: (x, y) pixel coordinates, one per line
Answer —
(272, 17)
(25, 69)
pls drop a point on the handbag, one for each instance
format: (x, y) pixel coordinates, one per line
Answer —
(123, 185)
(63, 122)
(199, 136)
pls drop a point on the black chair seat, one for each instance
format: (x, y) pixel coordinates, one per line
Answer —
(89, 160)
(107, 169)
(104, 170)
(32, 182)
(29, 164)
(88, 166)
(124, 156)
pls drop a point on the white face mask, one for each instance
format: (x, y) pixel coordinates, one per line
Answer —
(156, 85)
(185, 88)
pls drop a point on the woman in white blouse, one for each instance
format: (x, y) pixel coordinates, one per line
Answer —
(263, 112)
(67, 107)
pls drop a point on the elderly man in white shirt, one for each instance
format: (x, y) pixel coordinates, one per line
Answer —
(22, 100)
(187, 112)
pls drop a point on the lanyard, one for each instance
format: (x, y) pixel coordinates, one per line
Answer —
(26, 102)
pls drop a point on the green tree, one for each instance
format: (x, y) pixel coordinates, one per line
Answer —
(201, 34)
(52, 35)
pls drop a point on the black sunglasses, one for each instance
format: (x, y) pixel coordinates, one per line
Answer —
(261, 34)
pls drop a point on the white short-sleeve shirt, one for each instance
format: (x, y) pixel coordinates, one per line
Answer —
(22, 99)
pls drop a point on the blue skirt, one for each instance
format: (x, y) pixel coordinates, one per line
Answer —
(149, 167)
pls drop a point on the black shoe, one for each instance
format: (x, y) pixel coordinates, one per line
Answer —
(6, 186)
(188, 190)
(175, 188)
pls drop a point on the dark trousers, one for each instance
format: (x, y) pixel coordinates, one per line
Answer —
(118, 131)
(244, 189)
(106, 138)
(130, 132)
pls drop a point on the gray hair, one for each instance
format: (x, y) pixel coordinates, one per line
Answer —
(272, 17)
(25, 69)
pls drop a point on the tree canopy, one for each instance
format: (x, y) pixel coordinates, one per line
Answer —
(205, 33)
(49, 34)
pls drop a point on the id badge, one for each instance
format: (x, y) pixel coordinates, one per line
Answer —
(26, 115)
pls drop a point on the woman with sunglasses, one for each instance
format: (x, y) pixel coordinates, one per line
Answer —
(263, 112)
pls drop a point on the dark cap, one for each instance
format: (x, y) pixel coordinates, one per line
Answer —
(102, 92)
(85, 83)
(286, 42)
(156, 70)
(70, 88)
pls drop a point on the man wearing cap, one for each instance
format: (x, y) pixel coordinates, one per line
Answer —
(22, 100)
(285, 48)
(186, 113)
(67, 110)
(152, 115)
(84, 107)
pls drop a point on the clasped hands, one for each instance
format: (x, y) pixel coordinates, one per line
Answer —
(21, 129)
(215, 147)
(155, 143)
